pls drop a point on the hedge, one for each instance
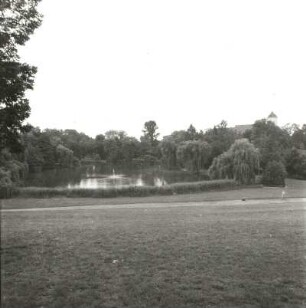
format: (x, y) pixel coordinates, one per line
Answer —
(131, 191)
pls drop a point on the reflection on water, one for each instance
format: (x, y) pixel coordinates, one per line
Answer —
(108, 182)
(107, 177)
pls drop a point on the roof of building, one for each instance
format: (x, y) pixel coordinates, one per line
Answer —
(272, 115)
(242, 128)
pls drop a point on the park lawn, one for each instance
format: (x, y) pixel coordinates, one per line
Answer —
(202, 256)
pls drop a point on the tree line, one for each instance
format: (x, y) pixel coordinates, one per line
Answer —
(221, 150)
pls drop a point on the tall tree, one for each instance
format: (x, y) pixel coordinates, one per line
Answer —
(18, 20)
(99, 145)
(220, 139)
(192, 133)
(168, 151)
(79, 143)
(272, 141)
(150, 133)
(193, 154)
(149, 143)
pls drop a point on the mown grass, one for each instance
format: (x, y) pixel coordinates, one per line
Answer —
(131, 191)
(224, 256)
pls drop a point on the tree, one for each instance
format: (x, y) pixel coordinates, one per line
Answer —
(245, 161)
(150, 133)
(115, 134)
(274, 174)
(290, 128)
(220, 139)
(32, 155)
(296, 163)
(119, 147)
(168, 151)
(222, 167)
(272, 141)
(130, 149)
(299, 138)
(178, 136)
(193, 154)
(81, 144)
(240, 162)
(64, 156)
(18, 20)
(12, 171)
(46, 149)
(99, 145)
(192, 133)
(149, 143)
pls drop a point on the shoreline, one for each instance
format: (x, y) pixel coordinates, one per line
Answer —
(294, 189)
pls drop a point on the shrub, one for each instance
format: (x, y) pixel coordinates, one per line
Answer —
(274, 174)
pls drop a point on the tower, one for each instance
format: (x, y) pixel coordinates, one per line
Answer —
(272, 118)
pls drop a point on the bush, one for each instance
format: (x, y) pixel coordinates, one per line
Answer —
(274, 174)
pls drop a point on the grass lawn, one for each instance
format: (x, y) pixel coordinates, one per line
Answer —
(235, 255)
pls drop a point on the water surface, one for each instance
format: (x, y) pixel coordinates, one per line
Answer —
(101, 176)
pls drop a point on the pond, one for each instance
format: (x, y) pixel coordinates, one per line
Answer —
(101, 176)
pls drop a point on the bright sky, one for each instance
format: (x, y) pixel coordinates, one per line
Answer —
(115, 64)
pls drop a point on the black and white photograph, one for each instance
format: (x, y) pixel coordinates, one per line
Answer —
(153, 153)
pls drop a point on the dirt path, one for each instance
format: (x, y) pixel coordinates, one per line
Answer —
(162, 205)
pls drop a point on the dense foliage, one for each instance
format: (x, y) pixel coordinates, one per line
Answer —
(274, 174)
(296, 163)
(18, 20)
(187, 149)
(272, 141)
(240, 162)
(193, 154)
(12, 171)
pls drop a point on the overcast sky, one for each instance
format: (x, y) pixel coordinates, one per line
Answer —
(115, 64)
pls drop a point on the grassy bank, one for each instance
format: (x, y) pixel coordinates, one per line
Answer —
(132, 191)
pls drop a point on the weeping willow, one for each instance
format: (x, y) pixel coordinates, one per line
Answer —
(240, 162)
(192, 154)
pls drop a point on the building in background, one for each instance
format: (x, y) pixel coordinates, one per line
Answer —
(272, 118)
(241, 129)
